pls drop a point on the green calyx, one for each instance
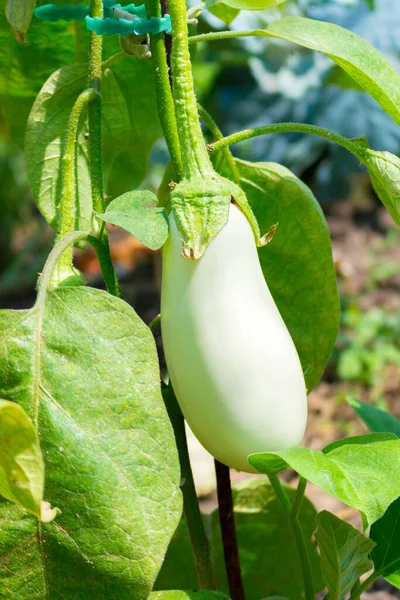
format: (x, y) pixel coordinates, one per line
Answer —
(201, 209)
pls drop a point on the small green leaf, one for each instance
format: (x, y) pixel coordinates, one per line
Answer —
(386, 535)
(187, 595)
(253, 4)
(139, 213)
(353, 54)
(375, 418)
(384, 170)
(344, 554)
(304, 289)
(223, 11)
(358, 471)
(21, 461)
(84, 367)
(19, 14)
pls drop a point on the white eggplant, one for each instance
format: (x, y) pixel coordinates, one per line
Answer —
(231, 360)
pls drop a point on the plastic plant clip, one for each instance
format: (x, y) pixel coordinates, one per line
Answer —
(123, 27)
(52, 12)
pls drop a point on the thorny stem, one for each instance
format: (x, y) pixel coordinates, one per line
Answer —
(216, 132)
(228, 532)
(165, 104)
(247, 134)
(292, 512)
(198, 539)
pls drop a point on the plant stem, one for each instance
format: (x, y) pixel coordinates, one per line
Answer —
(247, 134)
(226, 35)
(297, 532)
(194, 521)
(114, 58)
(196, 162)
(165, 104)
(216, 132)
(95, 152)
(228, 532)
(358, 590)
(68, 186)
(298, 500)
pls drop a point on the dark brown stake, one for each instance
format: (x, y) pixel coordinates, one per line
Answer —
(228, 532)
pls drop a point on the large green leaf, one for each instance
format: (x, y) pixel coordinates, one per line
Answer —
(375, 419)
(253, 4)
(353, 54)
(266, 545)
(138, 212)
(84, 367)
(45, 138)
(386, 534)
(358, 471)
(297, 264)
(21, 461)
(344, 554)
(223, 11)
(187, 595)
(130, 166)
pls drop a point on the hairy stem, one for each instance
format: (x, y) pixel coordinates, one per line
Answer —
(247, 134)
(292, 513)
(226, 35)
(197, 163)
(68, 186)
(165, 104)
(228, 532)
(198, 539)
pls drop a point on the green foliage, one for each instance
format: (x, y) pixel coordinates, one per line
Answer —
(386, 535)
(21, 461)
(358, 470)
(370, 341)
(303, 288)
(374, 418)
(344, 554)
(354, 55)
(65, 361)
(224, 11)
(266, 545)
(138, 212)
(253, 4)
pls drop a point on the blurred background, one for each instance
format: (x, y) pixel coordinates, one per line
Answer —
(245, 83)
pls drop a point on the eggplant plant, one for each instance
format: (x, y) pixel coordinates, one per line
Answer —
(94, 466)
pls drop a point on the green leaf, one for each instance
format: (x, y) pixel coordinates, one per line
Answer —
(21, 461)
(19, 14)
(266, 545)
(386, 535)
(375, 418)
(45, 138)
(223, 11)
(130, 166)
(344, 554)
(358, 471)
(253, 4)
(187, 595)
(384, 171)
(304, 289)
(84, 367)
(139, 213)
(353, 54)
